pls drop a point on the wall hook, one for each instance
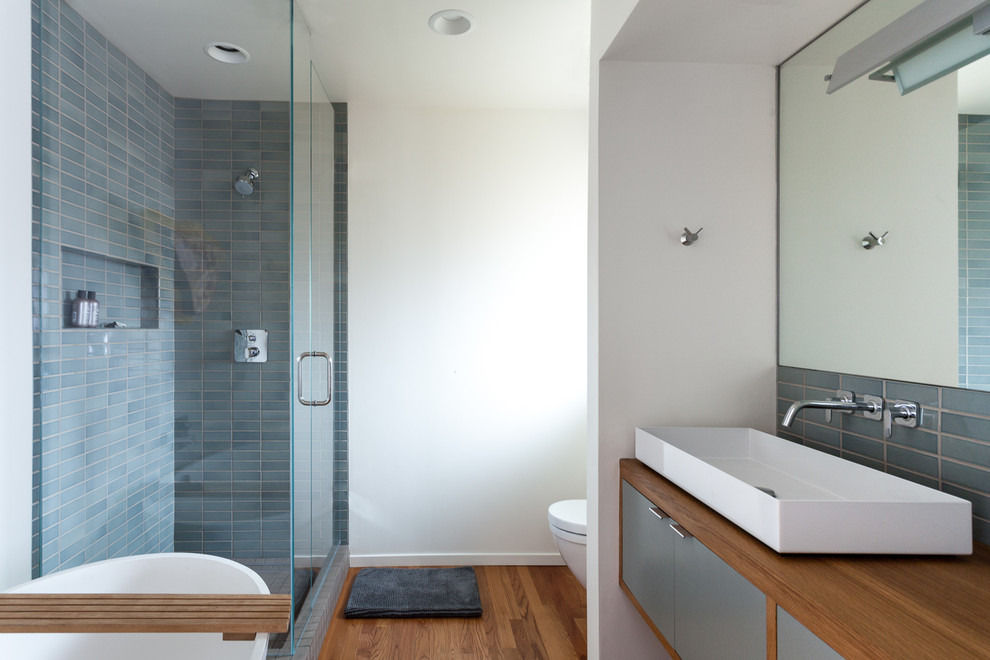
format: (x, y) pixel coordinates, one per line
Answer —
(872, 241)
(689, 237)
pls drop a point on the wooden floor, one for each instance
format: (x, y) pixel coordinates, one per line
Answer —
(529, 613)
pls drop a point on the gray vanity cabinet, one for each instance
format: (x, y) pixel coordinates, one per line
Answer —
(795, 642)
(703, 608)
(648, 559)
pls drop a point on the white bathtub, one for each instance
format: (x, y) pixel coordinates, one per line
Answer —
(176, 573)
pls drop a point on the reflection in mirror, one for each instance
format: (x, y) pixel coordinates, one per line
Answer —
(867, 159)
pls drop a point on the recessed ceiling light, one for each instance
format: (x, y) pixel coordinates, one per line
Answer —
(451, 22)
(227, 53)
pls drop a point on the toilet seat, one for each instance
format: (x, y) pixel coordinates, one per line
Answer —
(570, 516)
(564, 535)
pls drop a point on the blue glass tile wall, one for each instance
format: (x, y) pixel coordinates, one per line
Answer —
(103, 172)
(340, 478)
(232, 451)
(949, 450)
(974, 251)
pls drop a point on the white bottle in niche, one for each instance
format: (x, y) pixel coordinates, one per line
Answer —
(94, 310)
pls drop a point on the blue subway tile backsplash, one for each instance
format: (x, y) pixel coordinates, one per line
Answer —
(949, 450)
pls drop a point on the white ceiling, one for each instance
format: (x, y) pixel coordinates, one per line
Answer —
(167, 38)
(522, 53)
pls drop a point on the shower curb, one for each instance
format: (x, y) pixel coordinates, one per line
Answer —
(322, 606)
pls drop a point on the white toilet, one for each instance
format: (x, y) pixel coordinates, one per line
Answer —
(569, 525)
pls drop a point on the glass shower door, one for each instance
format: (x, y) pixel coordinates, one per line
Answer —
(312, 304)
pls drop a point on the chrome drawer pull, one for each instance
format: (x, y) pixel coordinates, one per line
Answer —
(683, 533)
(658, 512)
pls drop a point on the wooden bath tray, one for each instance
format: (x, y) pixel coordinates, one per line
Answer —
(236, 616)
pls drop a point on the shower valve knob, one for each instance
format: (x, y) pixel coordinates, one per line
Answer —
(250, 346)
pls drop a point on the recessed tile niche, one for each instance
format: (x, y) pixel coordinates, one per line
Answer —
(127, 290)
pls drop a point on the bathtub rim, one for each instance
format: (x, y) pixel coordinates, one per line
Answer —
(155, 556)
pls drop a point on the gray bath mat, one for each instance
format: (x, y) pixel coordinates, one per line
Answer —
(414, 592)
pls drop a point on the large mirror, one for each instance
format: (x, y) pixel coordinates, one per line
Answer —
(916, 168)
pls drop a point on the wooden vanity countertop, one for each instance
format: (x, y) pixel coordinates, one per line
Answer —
(866, 607)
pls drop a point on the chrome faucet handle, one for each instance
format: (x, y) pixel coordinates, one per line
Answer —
(844, 395)
(902, 413)
(876, 406)
(840, 395)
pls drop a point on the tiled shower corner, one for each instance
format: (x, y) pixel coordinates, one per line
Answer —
(232, 419)
(948, 451)
(103, 181)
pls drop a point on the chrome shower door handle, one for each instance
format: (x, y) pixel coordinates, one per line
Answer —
(299, 379)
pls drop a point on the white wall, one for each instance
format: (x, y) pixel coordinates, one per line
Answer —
(15, 272)
(607, 18)
(687, 335)
(467, 276)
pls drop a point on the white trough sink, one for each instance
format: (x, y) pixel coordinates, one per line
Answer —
(821, 503)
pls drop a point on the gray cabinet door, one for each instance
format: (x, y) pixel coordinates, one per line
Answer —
(705, 609)
(795, 642)
(648, 559)
(719, 613)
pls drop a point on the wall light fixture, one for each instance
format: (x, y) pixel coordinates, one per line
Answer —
(932, 40)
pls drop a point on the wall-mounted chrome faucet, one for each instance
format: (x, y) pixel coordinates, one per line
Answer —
(870, 406)
(902, 413)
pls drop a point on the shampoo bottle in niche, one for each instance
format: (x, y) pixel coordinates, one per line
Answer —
(80, 305)
(94, 310)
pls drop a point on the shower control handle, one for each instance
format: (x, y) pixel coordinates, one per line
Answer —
(250, 345)
(299, 380)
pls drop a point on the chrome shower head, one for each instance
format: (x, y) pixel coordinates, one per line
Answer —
(244, 183)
